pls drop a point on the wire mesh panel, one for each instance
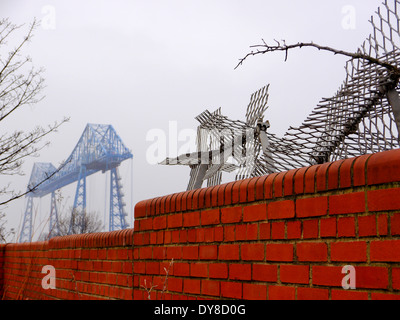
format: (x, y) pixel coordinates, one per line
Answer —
(362, 117)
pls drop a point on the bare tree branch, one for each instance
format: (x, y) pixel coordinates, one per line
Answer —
(20, 85)
(265, 48)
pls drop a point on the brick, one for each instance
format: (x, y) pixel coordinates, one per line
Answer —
(159, 253)
(229, 233)
(288, 187)
(252, 231)
(384, 200)
(321, 177)
(181, 269)
(359, 172)
(278, 185)
(221, 193)
(228, 252)
(269, 186)
(295, 274)
(219, 234)
(167, 267)
(146, 224)
(385, 251)
(243, 190)
(209, 235)
(167, 237)
(189, 201)
(235, 191)
(208, 252)
(218, 270)
(309, 179)
(367, 226)
(240, 271)
(195, 199)
(255, 213)
(278, 230)
(144, 253)
(228, 194)
(347, 203)
(153, 238)
(265, 231)
(312, 251)
(345, 173)
(214, 196)
(333, 175)
(312, 294)
(190, 252)
(395, 224)
(191, 219)
(241, 232)
(310, 229)
(311, 207)
(178, 203)
(396, 278)
(208, 196)
(348, 295)
(299, 180)
(328, 228)
(210, 217)
(259, 188)
(138, 267)
(159, 223)
(281, 293)
(384, 167)
(384, 296)
(174, 253)
(293, 230)
(172, 203)
(200, 236)
(210, 288)
(281, 210)
(265, 272)
(372, 277)
(231, 290)
(279, 252)
(140, 209)
(231, 215)
(383, 225)
(346, 227)
(252, 252)
(191, 286)
(152, 267)
(175, 220)
(183, 236)
(327, 276)
(349, 251)
(175, 236)
(254, 291)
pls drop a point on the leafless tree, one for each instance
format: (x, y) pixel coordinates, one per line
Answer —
(21, 85)
(88, 222)
(91, 224)
(282, 46)
(4, 232)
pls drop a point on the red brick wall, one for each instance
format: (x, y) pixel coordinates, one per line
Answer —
(282, 236)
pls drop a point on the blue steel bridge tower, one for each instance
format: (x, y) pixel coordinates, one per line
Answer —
(98, 149)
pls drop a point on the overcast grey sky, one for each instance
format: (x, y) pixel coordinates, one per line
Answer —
(140, 64)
